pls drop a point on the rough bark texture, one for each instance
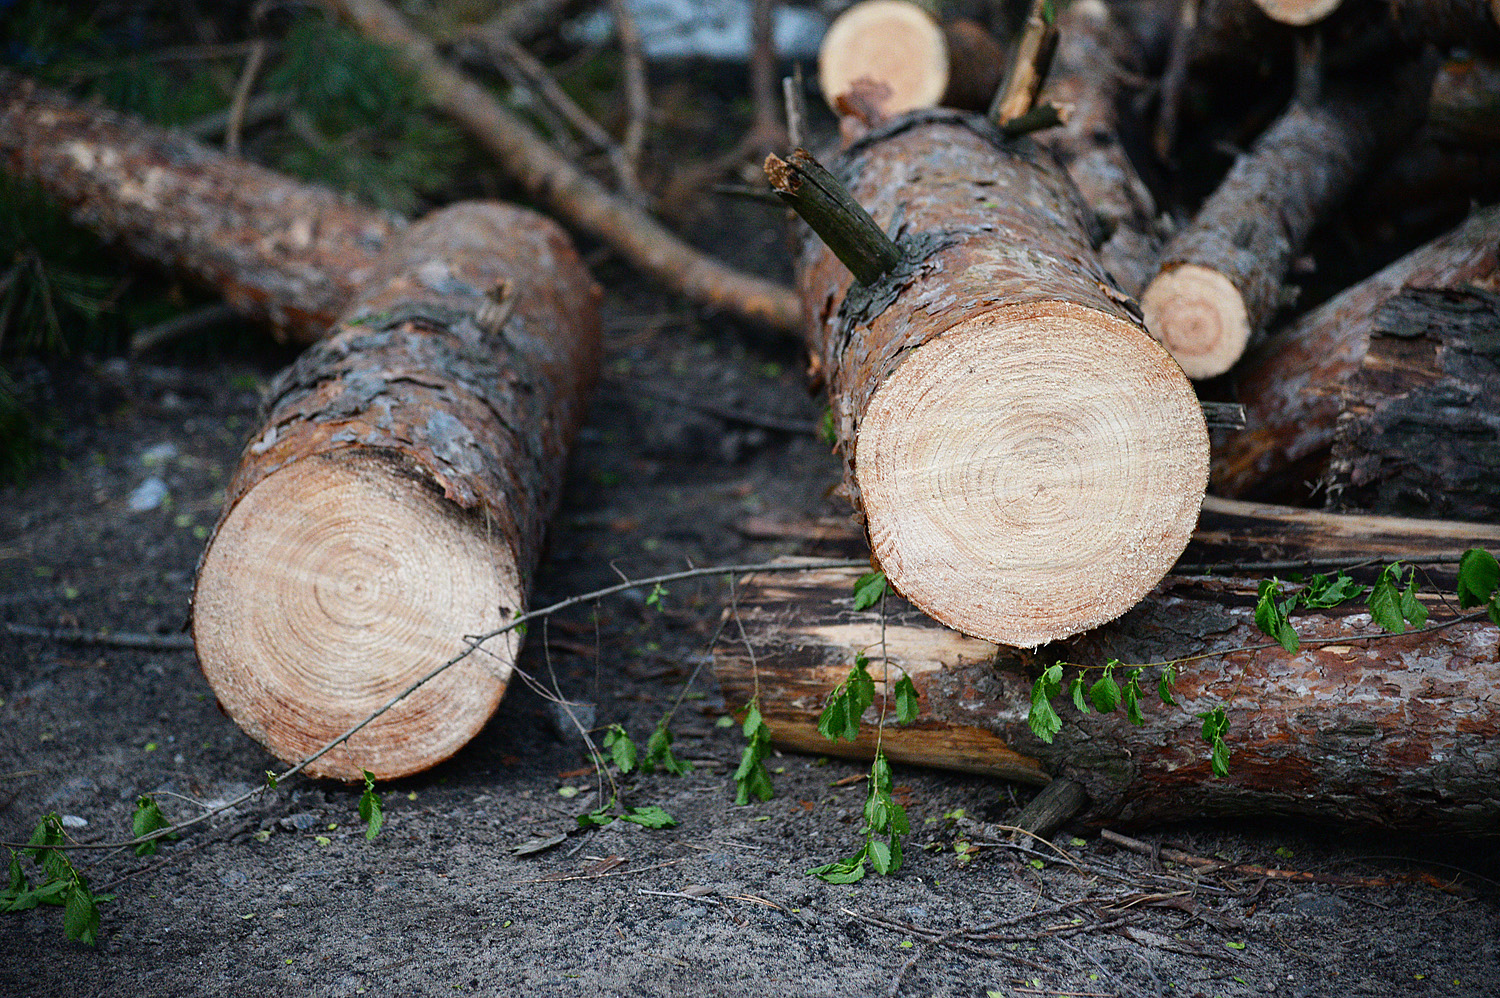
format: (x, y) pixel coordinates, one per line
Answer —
(1417, 433)
(1221, 277)
(1398, 733)
(395, 498)
(1292, 386)
(986, 391)
(572, 194)
(279, 251)
(1094, 54)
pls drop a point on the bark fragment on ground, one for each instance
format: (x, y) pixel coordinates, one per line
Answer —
(395, 498)
(994, 397)
(1397, 733)
(280, 251)
(1293, 385)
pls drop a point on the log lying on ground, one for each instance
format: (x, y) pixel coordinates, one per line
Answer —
(1094, 54)
(394, 500)
(573, 195)
(1221, 277)
(1028, 462)
(1398, 732)
(1417, 431)
(1293, 385)
(280, 251)
(899, 45)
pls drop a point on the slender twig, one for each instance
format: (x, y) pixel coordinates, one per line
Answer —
(637, 100)
(111, 639)
(473, 643)
(241, 99)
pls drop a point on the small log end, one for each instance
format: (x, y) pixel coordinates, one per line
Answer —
(1198, 315)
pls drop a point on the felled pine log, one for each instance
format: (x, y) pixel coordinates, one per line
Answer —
(394, 500)
(918, 62)
(1094, 56)
(1348, 362)
(1398, 732)
(280, 251)
(1221, 277)
(1027, 461)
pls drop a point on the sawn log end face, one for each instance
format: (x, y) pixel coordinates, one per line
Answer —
(332, 586)
(1199, 315)
(1033, 472)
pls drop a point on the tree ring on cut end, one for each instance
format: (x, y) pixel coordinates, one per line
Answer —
(1032, 472)
(1199, 315)
(334, 584)
(891, 42)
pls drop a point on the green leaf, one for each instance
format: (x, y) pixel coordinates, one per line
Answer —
(826, 432)
(621, 749)
(1385, 602)
(657, 592)
(868, 590)
(1049, 13)
(1105, 693)
(147, 819)
(371, 812)
(1271, 615)
(880, 773)
(755, 724)
(1133, 698)
(880, 856)
(81, 916)
(659, 753)
(908, 704)
(1322, 592)
(834, 719)
(861, 687)
(751, 779)
(844, 871)
(1411, 607)
(900, 824)
(599, 817)
(1075, 690)
(1219, 758)
(649, 816)
(1164, 685)
(271, 779)
(1478, 577)
(1042, 718)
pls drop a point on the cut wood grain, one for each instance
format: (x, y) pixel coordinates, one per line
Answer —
(1027, 460)
(394, 499)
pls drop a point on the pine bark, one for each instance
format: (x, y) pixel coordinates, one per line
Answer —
(1398, 732)
(283, 252)
(1221, 277)
(1416, 434)
(1094, 55)
(995, 398)
(394, 499)
(1293, 386)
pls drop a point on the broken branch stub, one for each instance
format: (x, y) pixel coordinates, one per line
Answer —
(395, 498)
(1028, 462)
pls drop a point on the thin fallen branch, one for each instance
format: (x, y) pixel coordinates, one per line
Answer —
(1032, 57)
(104, 638)
(637, 100)
(473, 644)
(242, 91)
(575, 196)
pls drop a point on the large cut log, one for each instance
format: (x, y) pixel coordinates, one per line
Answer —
(1293, 385)
(1398, 732)
(394, 499)
(1094, 55)
(1221, 276)
(1419, 427)
(913, 60)
(278, 250)
(1027, 461)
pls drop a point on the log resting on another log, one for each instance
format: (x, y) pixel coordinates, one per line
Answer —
(395, 497)
(1399, 732)
(280, 251)
(1007, 425)
(1294, 384)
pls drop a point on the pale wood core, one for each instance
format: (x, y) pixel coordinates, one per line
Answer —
(1199, 315)
(334, 584)
(1300, 12)
(892, 42)
(1032, 472)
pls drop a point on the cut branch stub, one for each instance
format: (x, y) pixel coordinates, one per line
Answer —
(829, 210)
(395, 498)
(1028, 461)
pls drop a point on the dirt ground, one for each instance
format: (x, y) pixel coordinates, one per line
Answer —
(285, 895)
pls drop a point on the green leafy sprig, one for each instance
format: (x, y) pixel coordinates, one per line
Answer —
(61, 884)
